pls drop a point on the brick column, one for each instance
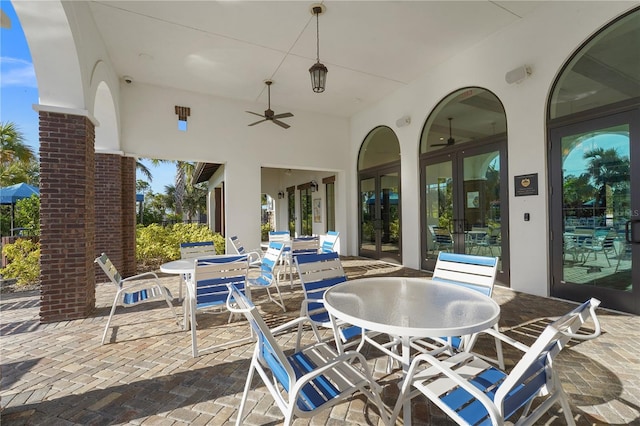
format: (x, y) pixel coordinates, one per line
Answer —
(128, 216)
(108, 187)
(67, 216)
(115, 188)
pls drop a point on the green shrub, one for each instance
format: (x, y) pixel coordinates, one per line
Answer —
(264, 231)
(23, 261)
(156, 244)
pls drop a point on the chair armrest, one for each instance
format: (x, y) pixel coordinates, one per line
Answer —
(253, 256)
(289, 324)
(442, 367)
(345, 358)
(144, 274)
(508, 340)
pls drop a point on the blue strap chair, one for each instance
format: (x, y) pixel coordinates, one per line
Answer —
(473, 392)
(193, 250)
(308, 381)
(255, 256)
(132, 290)
(301, 246)
(318, 273)
(208, 291)
(268, 273)
(329, 242)
(474, 272)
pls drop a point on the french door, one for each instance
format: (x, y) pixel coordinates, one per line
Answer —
(380, 214)
(464, 204)
(595, 208)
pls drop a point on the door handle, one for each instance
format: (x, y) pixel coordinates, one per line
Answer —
(628, 231)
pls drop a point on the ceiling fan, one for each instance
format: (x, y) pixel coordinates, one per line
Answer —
(269, 115)
(451, 140)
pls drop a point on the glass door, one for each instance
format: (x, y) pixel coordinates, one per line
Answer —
(380, 216)
(462, 205)
(596, 212)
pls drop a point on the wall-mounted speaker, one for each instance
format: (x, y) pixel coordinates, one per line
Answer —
(517, 75)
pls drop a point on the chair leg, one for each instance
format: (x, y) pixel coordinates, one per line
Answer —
(194, 340)
(245, 393)
(113, 310)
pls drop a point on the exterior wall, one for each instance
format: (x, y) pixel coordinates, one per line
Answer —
(67, 216)
(544, 40)
(149, 129)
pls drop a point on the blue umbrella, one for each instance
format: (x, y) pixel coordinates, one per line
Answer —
(11, 194)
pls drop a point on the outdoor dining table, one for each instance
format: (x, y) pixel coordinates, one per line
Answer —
(185, 268)
(409, 308)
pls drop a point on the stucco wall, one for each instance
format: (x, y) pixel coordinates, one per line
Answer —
(544, 41)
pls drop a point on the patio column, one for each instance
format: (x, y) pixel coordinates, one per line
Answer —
(67, 214)
(115, 212)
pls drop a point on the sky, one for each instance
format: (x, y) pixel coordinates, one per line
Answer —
(19, 92)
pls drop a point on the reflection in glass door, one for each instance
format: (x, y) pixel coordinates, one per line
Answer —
(463, 212)
(380, 216)
(597, 229)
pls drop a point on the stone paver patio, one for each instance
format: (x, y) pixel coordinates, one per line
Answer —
(59, 374)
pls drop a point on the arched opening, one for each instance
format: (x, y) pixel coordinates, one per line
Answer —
(380, 196)
(594, 145)
(463, 167)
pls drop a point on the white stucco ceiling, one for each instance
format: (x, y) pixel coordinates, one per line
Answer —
(229, 48)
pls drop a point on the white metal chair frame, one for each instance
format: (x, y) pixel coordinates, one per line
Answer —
(301, 246)
(208, 290)
(471, 391)
(269, 273)
(318, 273)
(308, 381)
(131, 291)
(475, 272)
(329, 242)
(191, 251)
(255, 256)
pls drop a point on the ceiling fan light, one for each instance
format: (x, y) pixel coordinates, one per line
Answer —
(318, 74)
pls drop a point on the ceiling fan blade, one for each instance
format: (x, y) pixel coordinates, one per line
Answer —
(281, 124)
(283, 115)
(255, 113)
(253, 124)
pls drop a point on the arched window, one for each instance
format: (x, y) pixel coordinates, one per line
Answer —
(463, 170)
(379, 188)
(594, 141)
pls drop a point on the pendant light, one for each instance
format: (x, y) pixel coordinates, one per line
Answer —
(318, 71)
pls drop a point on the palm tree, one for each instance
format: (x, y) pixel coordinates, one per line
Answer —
(609, 171)
(13, 145)
(18, 162)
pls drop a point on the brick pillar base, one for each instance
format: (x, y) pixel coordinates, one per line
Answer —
(67, 216)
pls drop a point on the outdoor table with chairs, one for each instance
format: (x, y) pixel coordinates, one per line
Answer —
(433, 323)
(411, 307)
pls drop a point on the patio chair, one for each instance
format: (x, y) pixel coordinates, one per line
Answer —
(131, 291)
(255, 256)
(474, 272)
(193, 250)
(308, 381)
(318, 273)
(209, 291)
(605, 245)
(473, 392)
(329, 242)
(442, 240)
(268, 273)
(300, 246)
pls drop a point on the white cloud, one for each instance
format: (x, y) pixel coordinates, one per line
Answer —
(17, 72)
